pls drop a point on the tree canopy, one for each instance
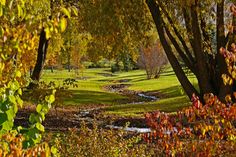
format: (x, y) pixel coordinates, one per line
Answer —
(116, 27)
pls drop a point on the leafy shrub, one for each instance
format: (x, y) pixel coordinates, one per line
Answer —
(20, 141)
(87, 142)
(11, 145)
(115, 68)
(207, 129)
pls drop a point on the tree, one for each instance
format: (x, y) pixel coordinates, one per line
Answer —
(152, 59)
(187, 26)
(53, 22)
(117, 28)
(17, 38)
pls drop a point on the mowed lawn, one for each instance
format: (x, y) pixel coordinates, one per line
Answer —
(90, 91)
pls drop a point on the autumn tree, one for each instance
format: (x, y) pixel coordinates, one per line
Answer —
(56, 44)
(188, 28)
(53, 19)
(18, 38)
(117, 28)
(152, 59)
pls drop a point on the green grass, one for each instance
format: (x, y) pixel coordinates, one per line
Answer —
(90, 91)
(165, 105)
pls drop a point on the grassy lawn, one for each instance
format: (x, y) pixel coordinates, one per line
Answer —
(90, 91)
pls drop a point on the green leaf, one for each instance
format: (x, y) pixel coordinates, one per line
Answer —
(19, 128)
(15, 109)
(42, 116)
(14, 85)
(12, 99)
(2, 66)
(63, 24)
(32, 118)
(66, 12)
(20, 11)
(5, 106)
(19, 91)
(39, 108)
(38, 138)
(40, 127)
(51, 98)
(18, 73)
(19, 101)
(3, 118)
(7, 125)
(54, 150)
(10, 114)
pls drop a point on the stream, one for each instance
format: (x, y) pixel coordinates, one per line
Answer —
(136, 97)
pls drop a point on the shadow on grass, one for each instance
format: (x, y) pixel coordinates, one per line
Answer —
(165, 105)
(130, 76)
(83, 97)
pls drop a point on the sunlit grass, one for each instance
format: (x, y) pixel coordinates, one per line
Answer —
(90, 90)
(165, 105)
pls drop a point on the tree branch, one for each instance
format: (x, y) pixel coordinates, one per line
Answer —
(204, 79)
(177, 32)
(188, 63)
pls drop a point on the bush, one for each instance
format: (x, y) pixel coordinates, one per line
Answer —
(115, 68)
(97, 142)
(200, 130)
(11, 145)
(153, 60)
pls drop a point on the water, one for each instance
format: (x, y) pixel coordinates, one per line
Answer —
(147, 96)
(131, 129)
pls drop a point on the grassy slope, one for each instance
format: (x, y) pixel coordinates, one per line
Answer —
(90, 90)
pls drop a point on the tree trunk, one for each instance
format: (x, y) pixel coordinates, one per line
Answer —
(187, 86)
(41, 57)
(208, 68)
(221, 68)
(203, 77)
(51, 69)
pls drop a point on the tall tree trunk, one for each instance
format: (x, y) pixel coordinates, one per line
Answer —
(221, 68)
(203, 77)
(41, 57)
(187, 86)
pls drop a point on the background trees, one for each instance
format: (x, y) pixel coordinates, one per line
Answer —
(187, 27)
(117, 28)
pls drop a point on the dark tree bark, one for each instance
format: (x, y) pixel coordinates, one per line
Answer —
(207, 68)
(155, 11)
(221, 42)
(203, 77)
(41, 57)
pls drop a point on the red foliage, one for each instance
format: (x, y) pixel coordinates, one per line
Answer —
(199, 129)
